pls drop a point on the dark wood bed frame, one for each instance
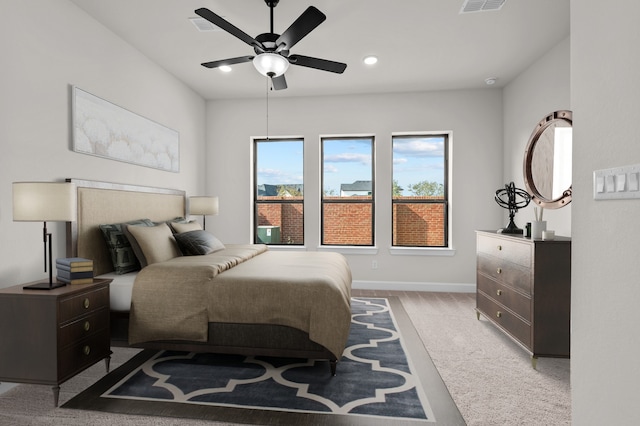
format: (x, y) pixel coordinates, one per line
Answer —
(104, 202)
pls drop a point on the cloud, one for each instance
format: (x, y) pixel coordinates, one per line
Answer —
(420, 147)
(328, 168)
(276, 176)
(348, 158)
(400, 160)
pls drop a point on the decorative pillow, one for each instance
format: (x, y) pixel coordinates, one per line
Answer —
(198, 242)
(134, 243)
(123, 256)
(156, 242)
(179, 228)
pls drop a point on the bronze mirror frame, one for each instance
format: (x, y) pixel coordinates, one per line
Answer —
(566, 117)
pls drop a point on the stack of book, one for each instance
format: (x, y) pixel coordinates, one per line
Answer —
(75, 270)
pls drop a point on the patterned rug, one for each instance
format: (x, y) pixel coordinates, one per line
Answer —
(378, 380)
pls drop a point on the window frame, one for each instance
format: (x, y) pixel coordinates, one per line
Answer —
(257, 202)
(446, 248)
(347, 200)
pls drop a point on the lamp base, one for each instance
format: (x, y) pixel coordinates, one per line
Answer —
(44, 285)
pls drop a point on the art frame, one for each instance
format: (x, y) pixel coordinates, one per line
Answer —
(104, 129)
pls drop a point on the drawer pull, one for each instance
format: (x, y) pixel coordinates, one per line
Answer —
(498, 314)
(499, 292)
(86, 303)
(87, 325)
(499, 247)
(499, 270)
(86, 350)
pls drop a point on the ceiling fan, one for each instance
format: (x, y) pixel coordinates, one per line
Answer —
(272, 56)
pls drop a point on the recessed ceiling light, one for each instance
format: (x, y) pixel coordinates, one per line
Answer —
(491, 81)
(225, 68)
(370, 60)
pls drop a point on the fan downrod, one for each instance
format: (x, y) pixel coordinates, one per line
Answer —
(271, 3)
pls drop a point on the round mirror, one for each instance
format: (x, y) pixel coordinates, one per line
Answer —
(547, 161)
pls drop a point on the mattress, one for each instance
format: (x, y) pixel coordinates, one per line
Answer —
(120, 290)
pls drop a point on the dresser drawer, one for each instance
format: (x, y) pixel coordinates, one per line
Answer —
(509, 273)
(517, 302)
(81, 304)
(83, 353)
(516, 327)
(514, 251)
(83, 327)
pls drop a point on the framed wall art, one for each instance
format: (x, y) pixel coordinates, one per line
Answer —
(107, 130)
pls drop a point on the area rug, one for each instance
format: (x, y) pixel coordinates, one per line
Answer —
(385, 375)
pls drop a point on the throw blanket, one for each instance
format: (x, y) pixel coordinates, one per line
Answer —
(310, 291)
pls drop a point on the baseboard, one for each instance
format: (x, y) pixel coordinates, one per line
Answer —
(415, 286)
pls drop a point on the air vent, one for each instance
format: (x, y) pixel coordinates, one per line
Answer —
(470, 6)
(204, 25)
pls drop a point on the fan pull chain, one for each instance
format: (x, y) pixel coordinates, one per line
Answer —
(267, 80)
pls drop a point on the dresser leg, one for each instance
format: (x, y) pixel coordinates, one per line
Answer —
(56, 395)
(478, 315)
(534, 361)
(107, 362)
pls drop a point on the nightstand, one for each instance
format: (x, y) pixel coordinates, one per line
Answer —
(49, 336)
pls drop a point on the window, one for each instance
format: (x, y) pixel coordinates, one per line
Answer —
(420, 190)
(278, 191)
(348, 191)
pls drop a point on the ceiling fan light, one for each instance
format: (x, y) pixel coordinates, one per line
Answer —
(225, 68)
(270, 64)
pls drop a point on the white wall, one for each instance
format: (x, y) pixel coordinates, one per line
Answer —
(48, 45)
(605, 65)
(475, 117)
(542, 88)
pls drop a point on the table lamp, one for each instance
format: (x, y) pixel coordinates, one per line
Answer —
(44, 202)
(204, 206)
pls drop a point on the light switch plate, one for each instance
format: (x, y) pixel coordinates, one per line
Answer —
(617, 183)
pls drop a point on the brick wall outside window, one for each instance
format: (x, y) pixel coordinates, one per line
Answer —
(416, 224)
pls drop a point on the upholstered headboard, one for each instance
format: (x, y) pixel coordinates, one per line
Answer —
(106, 203)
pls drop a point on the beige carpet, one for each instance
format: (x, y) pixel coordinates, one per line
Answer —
(489, 377)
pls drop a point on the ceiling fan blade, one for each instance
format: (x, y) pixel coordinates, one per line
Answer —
(317, 63)
(230, 61)
(228, 27)
(279, 83)
(302, 26)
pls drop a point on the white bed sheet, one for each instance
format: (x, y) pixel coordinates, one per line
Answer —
(120, 290)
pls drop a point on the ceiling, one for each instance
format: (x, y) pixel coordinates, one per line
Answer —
(422, 45)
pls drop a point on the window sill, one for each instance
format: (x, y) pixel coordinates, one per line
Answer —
(421, 251)
(350, 249)
(286, 247)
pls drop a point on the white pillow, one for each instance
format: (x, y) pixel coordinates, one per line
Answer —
(179, 228)
(156, 242)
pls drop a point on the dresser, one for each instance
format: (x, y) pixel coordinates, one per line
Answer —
(524, 288)
(49, 336)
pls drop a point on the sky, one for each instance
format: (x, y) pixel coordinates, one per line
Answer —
(415, 159)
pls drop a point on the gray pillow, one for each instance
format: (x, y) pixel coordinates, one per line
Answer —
(198, 242)
(123, 256)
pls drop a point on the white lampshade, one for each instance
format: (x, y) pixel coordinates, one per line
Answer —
(44, 202)
(203, 205)
(271, 64)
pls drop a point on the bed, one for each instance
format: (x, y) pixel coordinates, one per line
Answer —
(240, 299)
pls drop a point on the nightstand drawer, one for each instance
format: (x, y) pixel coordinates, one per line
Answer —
(506, 272)
(83, 353)
(79, 329)
(518, 303)
(81, 304)
(515, 251)
(513, 325)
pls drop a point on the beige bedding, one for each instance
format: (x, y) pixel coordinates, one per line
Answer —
(310, 291)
